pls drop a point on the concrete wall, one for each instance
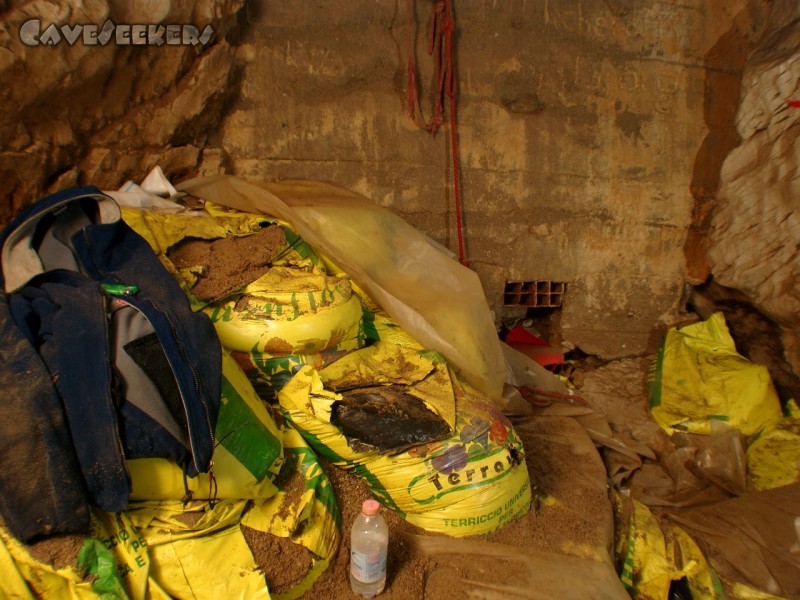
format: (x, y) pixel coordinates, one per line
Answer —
(581, 123)
(591, 132)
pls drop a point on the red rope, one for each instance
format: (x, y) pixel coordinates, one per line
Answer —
(441, 26)
(449, 28)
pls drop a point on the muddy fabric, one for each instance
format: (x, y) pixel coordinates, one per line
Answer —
(79, 280)
(34, 433)
(63, 315)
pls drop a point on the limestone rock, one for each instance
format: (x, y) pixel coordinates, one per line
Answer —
(99, 114)
(755, 235)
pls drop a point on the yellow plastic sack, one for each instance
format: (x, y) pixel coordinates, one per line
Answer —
(158, 546)
(424, 372)
(296, 307)
(313, 521)
(23, 577)
(181, 553)
(165, 230)
(113, 563)
(255, 330)
(246, 459)
(117, 534)
(690, 562)
(12, 582)
(699, 377)
(646, 570)
(773, 458)
(286, 293)
(269, 373)
(165, 550)
(469, 483)
(652, 557)
(440, 302)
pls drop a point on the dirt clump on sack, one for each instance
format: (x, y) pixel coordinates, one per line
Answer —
(229, 263)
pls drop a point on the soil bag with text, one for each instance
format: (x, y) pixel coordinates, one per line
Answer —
(699, 377)
(274, 302)
(428, 445)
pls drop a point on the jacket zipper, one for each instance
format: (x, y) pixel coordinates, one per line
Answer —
(109, 390)
(195, 378)
(192, 440)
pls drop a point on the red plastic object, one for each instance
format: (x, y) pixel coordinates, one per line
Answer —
(534, 347)
(519, 334)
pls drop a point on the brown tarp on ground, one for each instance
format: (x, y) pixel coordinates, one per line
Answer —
(753, 539)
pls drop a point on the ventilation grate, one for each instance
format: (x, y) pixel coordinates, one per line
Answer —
(534, 294)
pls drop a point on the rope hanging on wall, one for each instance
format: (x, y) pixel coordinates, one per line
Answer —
(440, 46)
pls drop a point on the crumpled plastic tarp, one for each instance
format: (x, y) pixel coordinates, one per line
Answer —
(723, 486)
(390, 260)
(752, 541)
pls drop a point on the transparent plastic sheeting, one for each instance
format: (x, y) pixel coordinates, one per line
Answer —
(437, 300)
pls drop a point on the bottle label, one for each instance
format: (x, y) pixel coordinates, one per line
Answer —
(368, 568)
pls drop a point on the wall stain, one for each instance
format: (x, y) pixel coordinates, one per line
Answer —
(630, 123)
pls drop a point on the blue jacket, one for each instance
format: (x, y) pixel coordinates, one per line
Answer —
(137, 372)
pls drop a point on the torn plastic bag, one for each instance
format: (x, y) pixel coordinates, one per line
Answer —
(304, 512)
(269, 373)
(752, 541)
(699, 377)
(652, 556)
(694, 469)
(470, 481)
(163, 550)
(94, 574)
(294, 306)
(438, 301)
(269, 243)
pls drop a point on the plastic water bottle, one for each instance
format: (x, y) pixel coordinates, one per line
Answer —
(369, 545)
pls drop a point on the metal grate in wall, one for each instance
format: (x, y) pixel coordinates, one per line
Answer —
(534, 294)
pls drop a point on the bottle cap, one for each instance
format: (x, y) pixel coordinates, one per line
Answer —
(370, 507)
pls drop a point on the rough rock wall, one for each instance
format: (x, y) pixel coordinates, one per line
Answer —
(755, 236)
(97, 113)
